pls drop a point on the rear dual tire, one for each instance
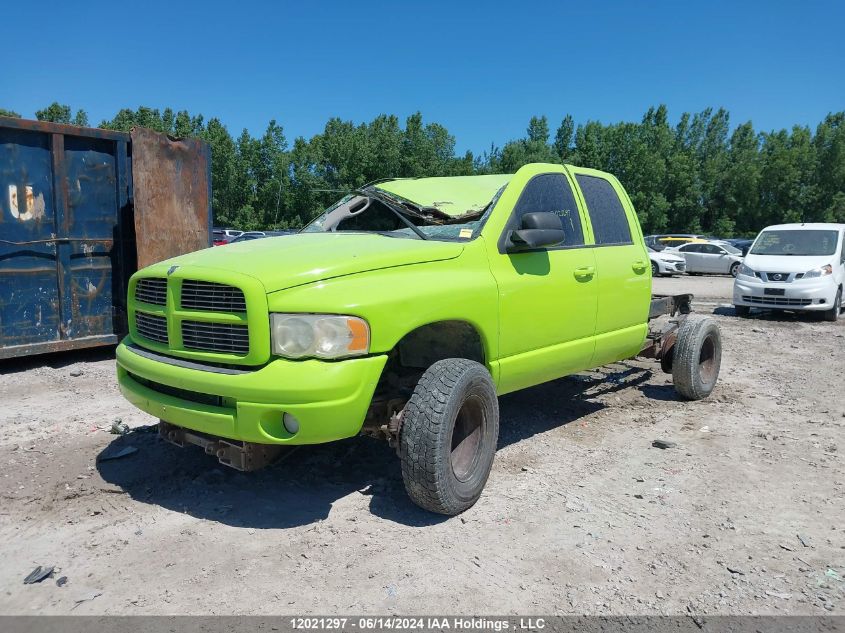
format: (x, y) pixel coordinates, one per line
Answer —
(697, 357)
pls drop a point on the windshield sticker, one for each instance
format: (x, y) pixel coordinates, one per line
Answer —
(465, 234)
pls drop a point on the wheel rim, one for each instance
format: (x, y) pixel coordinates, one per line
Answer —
(734, 270)
(707, 360)
(466, 438)
(653, 269)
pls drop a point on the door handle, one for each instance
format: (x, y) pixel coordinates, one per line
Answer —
(639, 266)
(585, 272)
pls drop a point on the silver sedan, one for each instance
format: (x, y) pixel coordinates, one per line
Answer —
(709, 257)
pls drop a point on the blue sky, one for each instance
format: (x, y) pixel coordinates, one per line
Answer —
(481, 69)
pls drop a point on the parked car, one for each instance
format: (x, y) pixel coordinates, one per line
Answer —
(659, 242)
(224, 236)
(257, 235)
(794, 267)
(246, 236)
(741, 243)
(709, 257)
(665, 263)
(402, 312)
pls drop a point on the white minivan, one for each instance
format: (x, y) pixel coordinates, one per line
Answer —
(794, 267)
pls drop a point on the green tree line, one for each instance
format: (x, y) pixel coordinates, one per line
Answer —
(698, 175)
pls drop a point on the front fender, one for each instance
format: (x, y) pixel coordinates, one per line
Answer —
(395, 301)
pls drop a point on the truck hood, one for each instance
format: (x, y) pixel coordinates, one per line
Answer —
(293, 260)
(786, 263)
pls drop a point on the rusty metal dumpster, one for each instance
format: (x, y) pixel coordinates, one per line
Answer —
(73, 226)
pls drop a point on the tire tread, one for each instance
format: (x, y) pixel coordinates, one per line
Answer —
(423, 432)
(685, 374)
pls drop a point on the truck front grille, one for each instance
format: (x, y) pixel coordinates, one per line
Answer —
(152, 327)
(152, 290)
(215, 337)
(213, 297)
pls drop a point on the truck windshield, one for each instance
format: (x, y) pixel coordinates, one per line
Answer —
(797, 243)
(373, 211)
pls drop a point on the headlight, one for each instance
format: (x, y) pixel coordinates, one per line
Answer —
(318, 335)
(818, 272)
(746, 270)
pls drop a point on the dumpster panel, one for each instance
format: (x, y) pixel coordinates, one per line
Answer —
(29, 292)
(67, 227)
(172, 187)
(88, 261)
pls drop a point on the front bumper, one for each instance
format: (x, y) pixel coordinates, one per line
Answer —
(817, 294)
(329, 399)
(671, 268)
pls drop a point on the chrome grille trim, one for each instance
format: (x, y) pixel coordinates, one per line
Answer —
(228, 338)
(179, 362)
(152, 290)
(212, 297)
(152, 327)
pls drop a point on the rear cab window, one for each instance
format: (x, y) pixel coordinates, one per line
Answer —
(609, 220)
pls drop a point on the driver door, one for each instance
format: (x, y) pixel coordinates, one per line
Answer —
(721, 261)
(547, 296)
(712, 259)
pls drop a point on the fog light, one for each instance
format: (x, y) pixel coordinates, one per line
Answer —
(291, 424)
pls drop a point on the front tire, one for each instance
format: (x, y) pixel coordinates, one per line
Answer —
(655, 271)
(448, 438)
(697, 357)
(833, 313)
(734, 269)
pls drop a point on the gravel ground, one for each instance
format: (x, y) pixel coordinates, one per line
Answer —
(708, 289)
(581, 514)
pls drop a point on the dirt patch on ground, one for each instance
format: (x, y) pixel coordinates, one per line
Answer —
(581, 514)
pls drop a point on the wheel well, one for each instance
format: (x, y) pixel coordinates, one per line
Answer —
(415, 352)
(430, 343)
(419, 349)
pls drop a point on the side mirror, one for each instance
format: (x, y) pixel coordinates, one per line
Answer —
(537, 230)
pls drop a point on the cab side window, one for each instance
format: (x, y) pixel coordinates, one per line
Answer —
(691, 248)
(610, 223)
(551, 193)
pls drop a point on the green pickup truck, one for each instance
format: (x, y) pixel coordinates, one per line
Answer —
(402, 312)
